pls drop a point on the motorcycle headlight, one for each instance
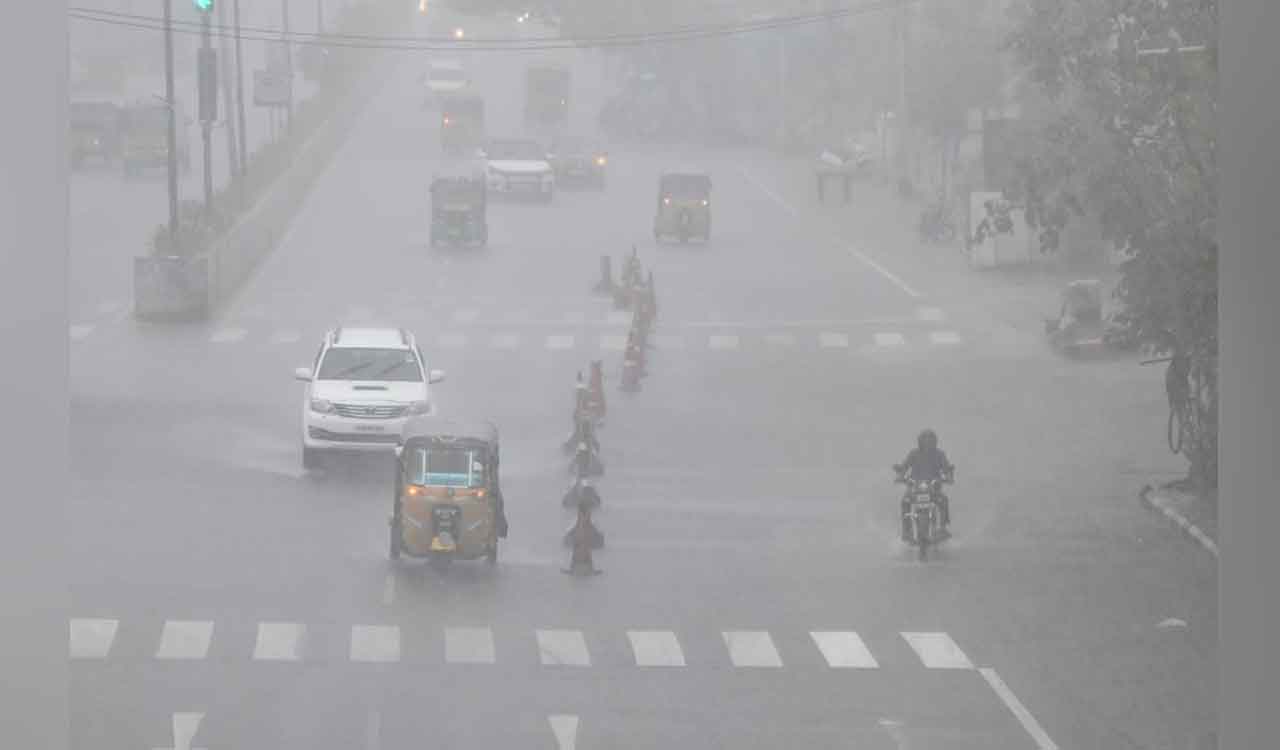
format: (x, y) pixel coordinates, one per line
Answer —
(420, 407)
(320, 406)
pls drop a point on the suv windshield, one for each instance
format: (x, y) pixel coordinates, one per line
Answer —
(447, 467)
(397, 365)
(515, 150)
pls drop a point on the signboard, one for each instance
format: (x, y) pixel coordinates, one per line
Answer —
(271, 88)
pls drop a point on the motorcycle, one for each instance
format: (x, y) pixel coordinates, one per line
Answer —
(923, 517)
(581, 493)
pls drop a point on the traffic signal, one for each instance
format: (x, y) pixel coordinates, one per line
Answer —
(204, 6)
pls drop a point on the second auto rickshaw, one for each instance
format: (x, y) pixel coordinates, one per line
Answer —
(1081, 325)
(448, 501)
(684, 206)
(458, 204)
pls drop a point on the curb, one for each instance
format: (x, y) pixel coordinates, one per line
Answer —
(1152, 499)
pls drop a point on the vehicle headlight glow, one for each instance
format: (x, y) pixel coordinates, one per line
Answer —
(420, 407)
(600, 160)
(321, 406)
(458, 33)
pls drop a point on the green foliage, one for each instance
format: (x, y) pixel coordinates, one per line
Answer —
(1129, 138)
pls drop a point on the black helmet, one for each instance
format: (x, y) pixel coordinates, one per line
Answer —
(927, 440)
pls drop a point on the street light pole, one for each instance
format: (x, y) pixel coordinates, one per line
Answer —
(244, 137)
(233, 159)
(206, 125)
(172, 135)
(288, 56)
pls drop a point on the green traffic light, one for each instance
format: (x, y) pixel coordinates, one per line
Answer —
(204, 5)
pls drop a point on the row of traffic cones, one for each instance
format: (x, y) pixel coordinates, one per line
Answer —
(588, 414)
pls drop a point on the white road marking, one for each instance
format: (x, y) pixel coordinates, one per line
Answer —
(868, 261)
(92, 638)
(559, 342)
(565, 728)
(930, 314)
(937, 651)
(389, 590)
(656, 648)
(375, 643)
(890, 340)
(944, 337)
(107, 308)
(279, 641)
(465, 316)
(452, 341)
(373, 731)
(780, 339)
(723, 342)
(563, 648)
(844, 649)
(79, 332)
(468, 646)
(286, 337)
(765, 189)
(613, 343)
(184, 639)
(1029, 723)
(668, 342)
(228, 336)
(751, 648)
(185, 726)
(833, 341)
(619, 317)
(893, 728)
(505, 341)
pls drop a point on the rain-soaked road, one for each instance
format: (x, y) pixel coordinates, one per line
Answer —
(754, 593)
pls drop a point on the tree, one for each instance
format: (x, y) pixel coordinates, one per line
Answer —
(1128, 137)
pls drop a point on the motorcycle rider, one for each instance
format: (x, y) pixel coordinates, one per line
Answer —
(927, 461)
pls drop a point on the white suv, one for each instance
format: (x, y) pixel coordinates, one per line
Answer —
(363, 386)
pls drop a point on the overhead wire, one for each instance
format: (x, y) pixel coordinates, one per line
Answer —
(418, 43)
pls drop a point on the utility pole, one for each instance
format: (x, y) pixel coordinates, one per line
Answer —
(172, 135)
(244, 136)
(903, 121)
(288, 56)
(208, 93)
(233, 161)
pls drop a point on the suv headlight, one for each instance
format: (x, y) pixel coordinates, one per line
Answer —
(321, 406)
(420, 407)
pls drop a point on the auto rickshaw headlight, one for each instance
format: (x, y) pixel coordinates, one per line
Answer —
(706, 202)
(600, 160)
(321, 406)
(414, 490)
(666, 201)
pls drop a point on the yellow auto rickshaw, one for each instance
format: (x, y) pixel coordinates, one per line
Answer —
(448, 501)
(684, 206)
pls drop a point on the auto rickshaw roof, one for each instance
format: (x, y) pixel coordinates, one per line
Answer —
(461, 102)
(430, 427)
(686, 177)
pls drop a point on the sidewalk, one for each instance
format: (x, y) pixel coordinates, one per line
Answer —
(882, 225)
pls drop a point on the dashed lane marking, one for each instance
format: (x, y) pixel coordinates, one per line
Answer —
(937, 650)
(228, 336)
(465, 316)
(92, 638)
(286, 337)
(722, 343)
(80, 332)
(505, 341)
(1029, 723)
(780, 339)
(833, 341)
(469, 646)
(613, 343)
(619, 317)
(667, 341)
(890, 340)
(185, 640)
(279, 641)
(944, 338)
(753, 648)
(563, 648)
(844, 650)
(930, 314)
(656, 648)
(375, 643)
(559, 343)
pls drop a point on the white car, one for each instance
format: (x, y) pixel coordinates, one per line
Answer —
(364, 384)
(518, 167)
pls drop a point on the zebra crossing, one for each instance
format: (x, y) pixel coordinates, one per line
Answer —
(95, 640)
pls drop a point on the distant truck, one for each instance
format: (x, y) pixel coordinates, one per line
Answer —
(145, 137)
(546, 96)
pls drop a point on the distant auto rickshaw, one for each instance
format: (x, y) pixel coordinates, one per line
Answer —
(95, 131)
(1081, 325)
(461, 123)
(458, 210)
(448, 501)
(684, 206)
